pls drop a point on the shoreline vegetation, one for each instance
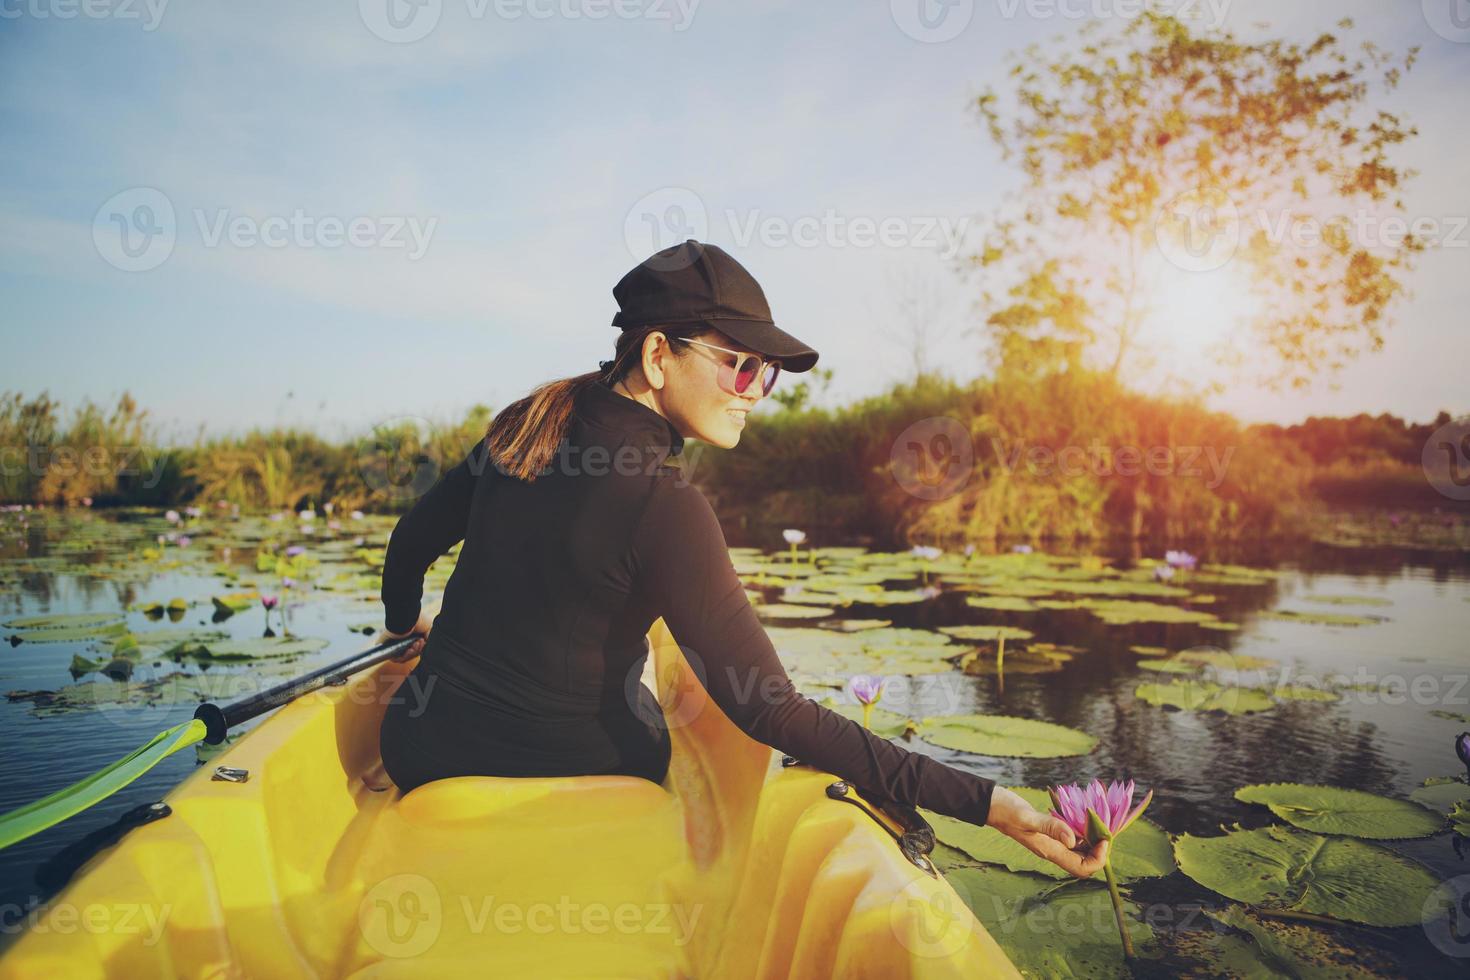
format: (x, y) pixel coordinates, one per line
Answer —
(1069, 456)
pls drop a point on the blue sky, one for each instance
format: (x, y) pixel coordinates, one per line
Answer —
(539, 158)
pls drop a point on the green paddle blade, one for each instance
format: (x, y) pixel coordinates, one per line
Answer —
(35, 817)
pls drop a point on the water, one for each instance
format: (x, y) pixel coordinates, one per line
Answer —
(1382, 739)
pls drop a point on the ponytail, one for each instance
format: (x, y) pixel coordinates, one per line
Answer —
(524, 436)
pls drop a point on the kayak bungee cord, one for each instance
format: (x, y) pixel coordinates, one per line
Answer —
(209, 725)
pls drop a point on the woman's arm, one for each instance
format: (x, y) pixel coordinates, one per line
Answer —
(683, 558)
(681, 555)
(434, 524)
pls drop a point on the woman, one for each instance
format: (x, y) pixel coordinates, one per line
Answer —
(584, 531)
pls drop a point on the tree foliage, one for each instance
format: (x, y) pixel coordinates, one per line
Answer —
(1206, 150)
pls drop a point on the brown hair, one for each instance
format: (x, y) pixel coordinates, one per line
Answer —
(525, 435)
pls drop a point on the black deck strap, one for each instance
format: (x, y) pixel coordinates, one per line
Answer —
(57, 870)
(917, 838)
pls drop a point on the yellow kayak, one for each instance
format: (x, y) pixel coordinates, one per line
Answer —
(315, 865)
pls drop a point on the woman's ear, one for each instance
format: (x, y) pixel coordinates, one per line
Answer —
(655, 352)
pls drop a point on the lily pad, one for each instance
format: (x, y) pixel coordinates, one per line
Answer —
(988, 631)
(888, 724)
(1143, 851)
(1333, 810)
(1170, 665)
(1204, 696)
(1321, 618)
(1005, 735)
(261, 647)
(1270, 948)
(1049, 929)
(788, 610)
(1286, 869)
(1442, 794)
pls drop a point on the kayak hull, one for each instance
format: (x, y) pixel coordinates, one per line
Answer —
(317, 865)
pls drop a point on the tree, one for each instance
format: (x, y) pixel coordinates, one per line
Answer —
(1154, 151)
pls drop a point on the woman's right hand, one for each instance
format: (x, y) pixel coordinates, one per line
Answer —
(1043, 834)
(424, 625)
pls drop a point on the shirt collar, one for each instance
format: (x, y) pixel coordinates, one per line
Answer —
(605, 407)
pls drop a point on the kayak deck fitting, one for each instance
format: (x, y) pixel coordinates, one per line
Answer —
(316, 865)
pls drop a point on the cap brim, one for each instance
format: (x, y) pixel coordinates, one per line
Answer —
(768, 339)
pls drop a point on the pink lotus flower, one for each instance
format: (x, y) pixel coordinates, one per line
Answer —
(867, 688)
(869, 691)
(1099, 813)
(1180, 559)
(1077, 806)
(269, 601)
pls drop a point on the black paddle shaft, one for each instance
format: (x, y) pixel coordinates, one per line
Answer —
(220, 720)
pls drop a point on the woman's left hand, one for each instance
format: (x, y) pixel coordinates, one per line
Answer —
(424, 625)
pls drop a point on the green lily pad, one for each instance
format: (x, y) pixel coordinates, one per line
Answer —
(1286, 869)
(787, 610)
(1303, 692)
(1267, 949)
(1004, 603)
(986, 632)
(1442, 794)
(1321, 618)
(1204, 696)
(1170, 665)
(1143, 850)
(261, 647)
(1005, 735)
(1350, 600)
(1460, 818)
(888, 724)
(234, 602)
(1126, 612)
(70, 622)
(1048, 929)
(1333, 810)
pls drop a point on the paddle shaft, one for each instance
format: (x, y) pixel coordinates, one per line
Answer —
(219, 720)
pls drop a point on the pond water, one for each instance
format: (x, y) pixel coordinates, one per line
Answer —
(1380, 635)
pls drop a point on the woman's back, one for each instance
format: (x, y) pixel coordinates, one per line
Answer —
(537, 652)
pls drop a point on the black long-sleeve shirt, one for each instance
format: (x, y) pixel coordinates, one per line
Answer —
(543, 623)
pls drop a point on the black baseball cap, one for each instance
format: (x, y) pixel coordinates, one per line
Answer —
(698, 282)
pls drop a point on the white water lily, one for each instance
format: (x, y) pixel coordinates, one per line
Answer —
(307, 515)
(793, 536)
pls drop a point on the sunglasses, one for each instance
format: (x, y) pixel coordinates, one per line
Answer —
(736, 378)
